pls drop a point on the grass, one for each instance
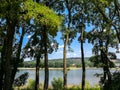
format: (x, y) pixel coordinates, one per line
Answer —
(31, 83)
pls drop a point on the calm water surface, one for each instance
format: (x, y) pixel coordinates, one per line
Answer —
(74, 76)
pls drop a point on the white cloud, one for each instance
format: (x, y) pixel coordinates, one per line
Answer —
(60, 46)
(29, 36)
(73, 54)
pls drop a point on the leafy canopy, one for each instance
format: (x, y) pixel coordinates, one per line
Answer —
(42, 15)
(27, 10)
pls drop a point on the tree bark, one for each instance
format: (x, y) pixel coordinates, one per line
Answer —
(46, 81)
(8, 54)
(82, 59)
(64, 64)
(17, 58)
(65, 46)
(2, 72)
(37, 73)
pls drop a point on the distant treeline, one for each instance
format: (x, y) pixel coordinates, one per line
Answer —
(58, 63)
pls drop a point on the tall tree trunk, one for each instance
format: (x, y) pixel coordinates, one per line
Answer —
(17, 58)
(65, 46)
(2, 65)
(37, 67)
(8, 54)
(64, 63)
(37, 73)
(108, 73)
(82, 59)
(102, 58)
(46, 81)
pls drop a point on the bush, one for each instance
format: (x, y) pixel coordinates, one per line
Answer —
(115, 83)
(21, 80)
(57, 84)
(31, 84)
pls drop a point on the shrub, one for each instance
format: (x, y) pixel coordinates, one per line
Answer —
(31, 84)
(115, 84)
(57, 84)
(21, 80)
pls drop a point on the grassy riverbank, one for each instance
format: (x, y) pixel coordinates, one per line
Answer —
(69, 87)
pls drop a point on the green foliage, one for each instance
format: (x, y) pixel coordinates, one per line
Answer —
(31, 84)
(87, 87)
(57, 84)
(115, 82)
(96, 60)
(10, 9)
(58, 63)
(21, 80)
(42, 15)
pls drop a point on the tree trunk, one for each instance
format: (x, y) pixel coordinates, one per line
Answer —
(8, 54)
(108, 73)
(65, 46)
(37, 1)
(64, 63)
(46, 81)
(2, 72)
(17, 58)
(82, 59)
(37, 73)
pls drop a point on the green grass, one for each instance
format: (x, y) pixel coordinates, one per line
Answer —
(31, 83)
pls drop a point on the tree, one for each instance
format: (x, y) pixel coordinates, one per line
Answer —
(47, 26)
(80, 18)
(60, 6)
(110, 11)
(100, 39)
(11, 19)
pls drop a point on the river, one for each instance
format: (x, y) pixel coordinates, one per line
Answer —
(73, 76)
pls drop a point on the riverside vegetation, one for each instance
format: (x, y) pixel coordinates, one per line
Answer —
(57, 84)
(58, 63)
(96, 22)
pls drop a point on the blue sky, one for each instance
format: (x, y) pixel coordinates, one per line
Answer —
(75, 47)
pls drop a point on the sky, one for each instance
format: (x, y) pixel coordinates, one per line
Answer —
(75, 47)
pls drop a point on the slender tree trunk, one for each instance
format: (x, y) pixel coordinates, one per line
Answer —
(65, 46)
(17, 61)
(82, 59)
(8, 54)
(108, 73)
(37, 73)
(64, 63)
(102, 59)
(46, 81)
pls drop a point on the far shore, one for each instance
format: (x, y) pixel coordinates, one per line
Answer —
(70, 68)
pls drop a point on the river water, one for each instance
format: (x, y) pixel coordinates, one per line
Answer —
(73, 76)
